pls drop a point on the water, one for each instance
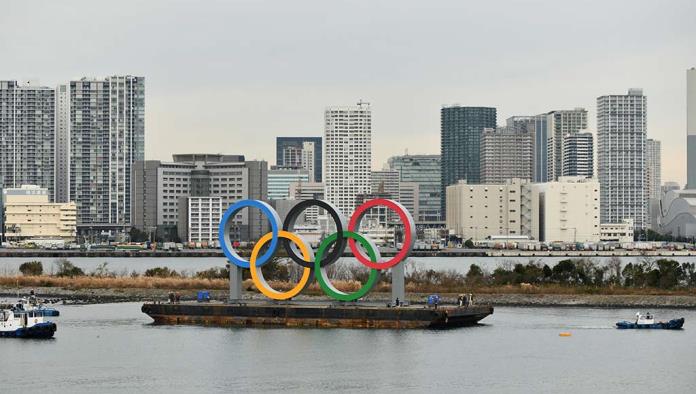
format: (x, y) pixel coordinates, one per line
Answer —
(113, 348)
(126, 265)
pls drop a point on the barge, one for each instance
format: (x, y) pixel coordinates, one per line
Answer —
(316, 315)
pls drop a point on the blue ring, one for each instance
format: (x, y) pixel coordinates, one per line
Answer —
(223, 232)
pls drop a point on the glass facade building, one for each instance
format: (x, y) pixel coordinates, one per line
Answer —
(460, 140)
(423, 170)
(289, 152)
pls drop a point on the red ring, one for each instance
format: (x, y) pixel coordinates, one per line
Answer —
(357, 215)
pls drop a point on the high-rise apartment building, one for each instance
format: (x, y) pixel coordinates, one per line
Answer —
(621, 131)
(559, 124)
(535, 125)
(653, 168)
(107, 132)
(347, 154)
(27, 135)
(506, 153)
(691, 128)
(460, 143)
(62, 162)
(301, 152)
(424, 170)
(578, 156)
(653, 181)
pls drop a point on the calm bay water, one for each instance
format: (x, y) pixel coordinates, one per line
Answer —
(113, 348)
(125, 265)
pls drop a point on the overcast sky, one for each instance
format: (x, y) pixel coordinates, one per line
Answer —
(230, 76)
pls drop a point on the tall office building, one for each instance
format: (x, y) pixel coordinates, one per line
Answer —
(409, 196)
(107, 131)
(621, 131)
(559, 124)
(279, 180)
(423, 170)
(27, 135)
(347, 154)
(578, 156)
(300, 152)
(691, 128)
(62, 172)
(506, 153)
(385, 181)
(460, 144)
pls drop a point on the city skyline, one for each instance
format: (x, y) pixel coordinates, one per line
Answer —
(406, 73)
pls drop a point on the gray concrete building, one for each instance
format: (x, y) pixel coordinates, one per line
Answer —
(161, 190)
(506, 153)
(621, 134)
(27, 135)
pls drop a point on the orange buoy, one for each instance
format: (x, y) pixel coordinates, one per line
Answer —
(564, 334)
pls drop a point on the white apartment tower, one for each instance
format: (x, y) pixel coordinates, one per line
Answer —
(621, 131)
(27, 135)
(578, 156)
(107, 131)
(347, 154)
(558, 125)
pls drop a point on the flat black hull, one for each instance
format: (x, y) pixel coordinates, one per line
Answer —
(39, 331)
(315, 315)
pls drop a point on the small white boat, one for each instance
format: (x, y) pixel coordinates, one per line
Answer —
(19, 323)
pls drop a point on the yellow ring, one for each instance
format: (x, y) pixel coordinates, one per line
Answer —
(257, 275)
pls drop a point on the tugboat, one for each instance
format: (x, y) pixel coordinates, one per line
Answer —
(648, 321)
(18, 323)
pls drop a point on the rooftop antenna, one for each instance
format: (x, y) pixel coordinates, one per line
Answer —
(361, 102)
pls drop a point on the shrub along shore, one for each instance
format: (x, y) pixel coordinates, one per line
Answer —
(572, 282)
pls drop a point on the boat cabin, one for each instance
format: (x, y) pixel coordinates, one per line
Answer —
(645, 319)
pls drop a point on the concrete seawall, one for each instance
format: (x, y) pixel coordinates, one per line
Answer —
(28, 253)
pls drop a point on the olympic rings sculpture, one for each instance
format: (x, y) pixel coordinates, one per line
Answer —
(328, 252)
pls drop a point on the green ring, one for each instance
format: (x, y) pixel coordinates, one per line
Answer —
(323, 279)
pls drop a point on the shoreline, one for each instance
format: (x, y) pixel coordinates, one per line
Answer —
(101, 296)
(485, 253)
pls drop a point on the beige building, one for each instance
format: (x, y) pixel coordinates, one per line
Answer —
(29, 214)
(480, 211)
(566, 210)
(617, 232)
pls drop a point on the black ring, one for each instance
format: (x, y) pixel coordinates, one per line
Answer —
(338, 218)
